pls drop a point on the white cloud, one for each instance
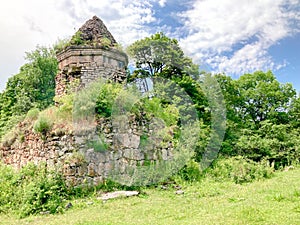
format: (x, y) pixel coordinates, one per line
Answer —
(25, 24)
(162, 3)
(235, 35)
(230, 35)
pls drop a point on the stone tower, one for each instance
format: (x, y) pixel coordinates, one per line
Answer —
(91, 54)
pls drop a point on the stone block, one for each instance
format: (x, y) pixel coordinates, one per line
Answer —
(164, 154)
(91, 170)
(69, 171)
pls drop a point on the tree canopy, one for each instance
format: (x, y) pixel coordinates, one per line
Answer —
(158, 54)
(262, 114)
(32, 87)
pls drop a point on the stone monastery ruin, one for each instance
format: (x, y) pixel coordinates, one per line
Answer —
(96, 56)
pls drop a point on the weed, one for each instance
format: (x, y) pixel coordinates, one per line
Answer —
(98, 145)
(32, 114)
(43, 125)
(240, 170)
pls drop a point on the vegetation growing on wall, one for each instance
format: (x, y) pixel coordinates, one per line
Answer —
(262, 126)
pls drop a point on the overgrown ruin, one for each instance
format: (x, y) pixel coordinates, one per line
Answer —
(95, 57)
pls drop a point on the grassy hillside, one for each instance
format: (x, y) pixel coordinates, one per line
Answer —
(271, 201)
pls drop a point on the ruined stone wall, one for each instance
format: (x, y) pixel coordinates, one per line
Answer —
(88, 64)
(84, 164)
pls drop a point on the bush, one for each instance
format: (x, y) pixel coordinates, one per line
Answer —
(240, 170)
(32, 190)
(9, 125)
(106, 98)
(8, 193)
(77, 39)
(106, 43)
(33, 114)
(190, 172)
(43, 125)
(61, 44)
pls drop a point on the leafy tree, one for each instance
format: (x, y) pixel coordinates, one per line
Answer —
(160, 54)
(294, 112)
(262, 97)
(276, 142)
(33, 86)
(260, 115)
(42, 69)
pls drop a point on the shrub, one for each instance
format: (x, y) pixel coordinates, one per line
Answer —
(76, 158)
(8, 182)
(190, 172)
(65, 108)
(106, 98)
(33, 114)
(42, 190)
(77, 39)
(61, 44)
(106, 43)
(43, 125)
(32, 190)
(9, 125)
(240, 170)
(9, 138)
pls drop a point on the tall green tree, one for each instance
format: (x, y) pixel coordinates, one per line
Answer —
(261, 118)
(262, 97)
(294, 112)
(159, 54)
(33, 86)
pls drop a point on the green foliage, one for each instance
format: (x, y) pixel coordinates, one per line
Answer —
(32, 87)
(205, 202)
(240, 170)
(261, 114)
(119, 47)
(65, 106)
(33, 114)
(191, 172)
(262, 97)
(98, 145)
(154, 107)
(202, 141)
(105, 42)
(43, 124)
(98, 99)
(61, 44)
(77, 39)
(32, 190)
(294, 112)
(75, 158)
(106, 98)
(7, 127)
(278, 143)
(144, 141)
(158, 53)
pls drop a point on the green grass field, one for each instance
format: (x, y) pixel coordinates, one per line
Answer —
(272, 201)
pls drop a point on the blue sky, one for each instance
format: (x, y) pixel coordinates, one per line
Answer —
(230, 36)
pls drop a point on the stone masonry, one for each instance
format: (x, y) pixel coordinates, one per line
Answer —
(91, 60)
(81, 163)
(77, 154)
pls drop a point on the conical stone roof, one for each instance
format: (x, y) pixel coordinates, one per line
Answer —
(94, 32)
